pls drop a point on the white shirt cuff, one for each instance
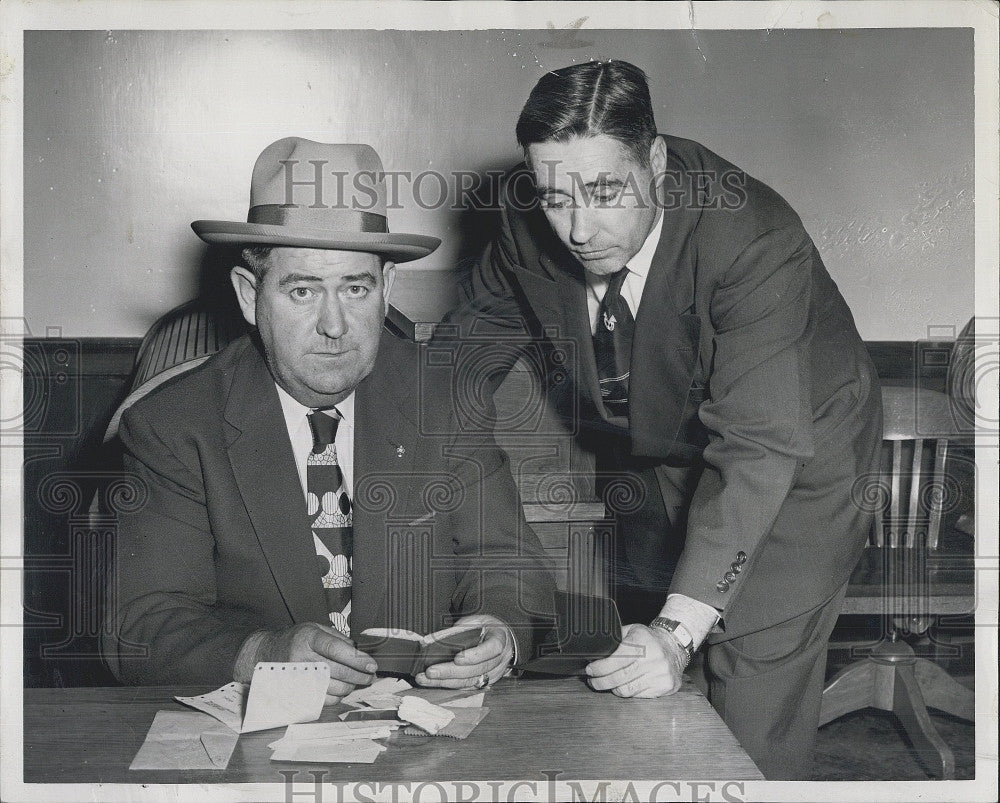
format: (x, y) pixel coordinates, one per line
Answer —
(698, 617)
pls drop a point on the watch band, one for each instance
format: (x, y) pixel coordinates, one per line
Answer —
(679, 632)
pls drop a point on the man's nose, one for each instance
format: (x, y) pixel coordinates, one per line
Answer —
(582, 226)
(332, 321)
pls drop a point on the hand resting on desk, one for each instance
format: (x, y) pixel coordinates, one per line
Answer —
(648, 663)
(349, 667)
(491, 657)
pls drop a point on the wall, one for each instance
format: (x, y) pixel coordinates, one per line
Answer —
(131, 135)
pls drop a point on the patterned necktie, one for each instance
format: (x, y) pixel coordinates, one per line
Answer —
(329, 510)
(613, 346)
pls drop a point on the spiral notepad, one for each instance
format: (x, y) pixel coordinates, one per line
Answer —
(280, 694)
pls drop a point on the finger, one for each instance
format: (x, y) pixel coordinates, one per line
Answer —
(631, 688)
(607, 666)
(656, 690)
(339, 688)
(446, 683)
(342, 652)
(613, 680)
(331, 699)
(453, 671)
(493, 645)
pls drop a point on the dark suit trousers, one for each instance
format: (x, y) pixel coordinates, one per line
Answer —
(767, 687)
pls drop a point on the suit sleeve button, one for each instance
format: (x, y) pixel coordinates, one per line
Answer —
(741, 556)
(722, 586)
(730, 576)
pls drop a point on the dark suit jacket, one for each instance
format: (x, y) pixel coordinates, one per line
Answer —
(750, 386)
(220, 545)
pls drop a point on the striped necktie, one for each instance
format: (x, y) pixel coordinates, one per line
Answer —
(329, 510)
(613, 346)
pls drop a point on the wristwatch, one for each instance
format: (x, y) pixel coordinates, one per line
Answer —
(680, 633)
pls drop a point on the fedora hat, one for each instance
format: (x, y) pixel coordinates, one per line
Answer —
(316, 195)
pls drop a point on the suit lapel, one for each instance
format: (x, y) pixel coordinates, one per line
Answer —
(264, 466)
(665, 348)
(385, 450)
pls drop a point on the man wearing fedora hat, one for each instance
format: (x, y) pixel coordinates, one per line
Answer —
(296, 489)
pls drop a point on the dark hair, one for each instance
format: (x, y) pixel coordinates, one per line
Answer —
(598, 97)
(257, 258)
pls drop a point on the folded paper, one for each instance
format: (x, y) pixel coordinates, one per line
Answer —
(424, 715)
(185, 740)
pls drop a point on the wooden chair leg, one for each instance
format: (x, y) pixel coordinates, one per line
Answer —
(909, 706)
(942, 691)
(851, 689)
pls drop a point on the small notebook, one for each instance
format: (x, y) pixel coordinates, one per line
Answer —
(403, 652)
(586, 629)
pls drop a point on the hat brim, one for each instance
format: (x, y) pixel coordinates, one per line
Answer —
(397, 247)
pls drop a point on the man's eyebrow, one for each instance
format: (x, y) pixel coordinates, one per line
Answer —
(610, 183)
(353, 278)
(599, 183)
(293, 278)
(357, 277)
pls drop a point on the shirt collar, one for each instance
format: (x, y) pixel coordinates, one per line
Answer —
(295, 413)
(641, 262)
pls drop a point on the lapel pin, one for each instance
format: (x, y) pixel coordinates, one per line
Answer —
(400, 451)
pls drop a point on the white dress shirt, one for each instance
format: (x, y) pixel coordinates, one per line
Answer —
(696, 616)
(635, 280)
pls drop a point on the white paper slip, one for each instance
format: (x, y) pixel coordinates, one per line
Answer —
(280, 694)
(336, 731)
(382, 689)
(361, 751)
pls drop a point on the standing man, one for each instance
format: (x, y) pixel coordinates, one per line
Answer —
(720, 377)
(293, 490)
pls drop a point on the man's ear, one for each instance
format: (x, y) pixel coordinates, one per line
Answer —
(658, 159)
(388, 275)
(245, 285)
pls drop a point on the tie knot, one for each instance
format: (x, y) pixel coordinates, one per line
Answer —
(615, 285)
(323, 424)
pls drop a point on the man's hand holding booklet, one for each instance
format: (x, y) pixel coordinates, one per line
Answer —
(403, 652)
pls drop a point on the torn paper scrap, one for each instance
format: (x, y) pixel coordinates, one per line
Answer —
(450, 698)
(185, 740)
(424, 715)
(461, 726)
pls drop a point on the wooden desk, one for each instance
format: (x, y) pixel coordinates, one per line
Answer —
(534, 725)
